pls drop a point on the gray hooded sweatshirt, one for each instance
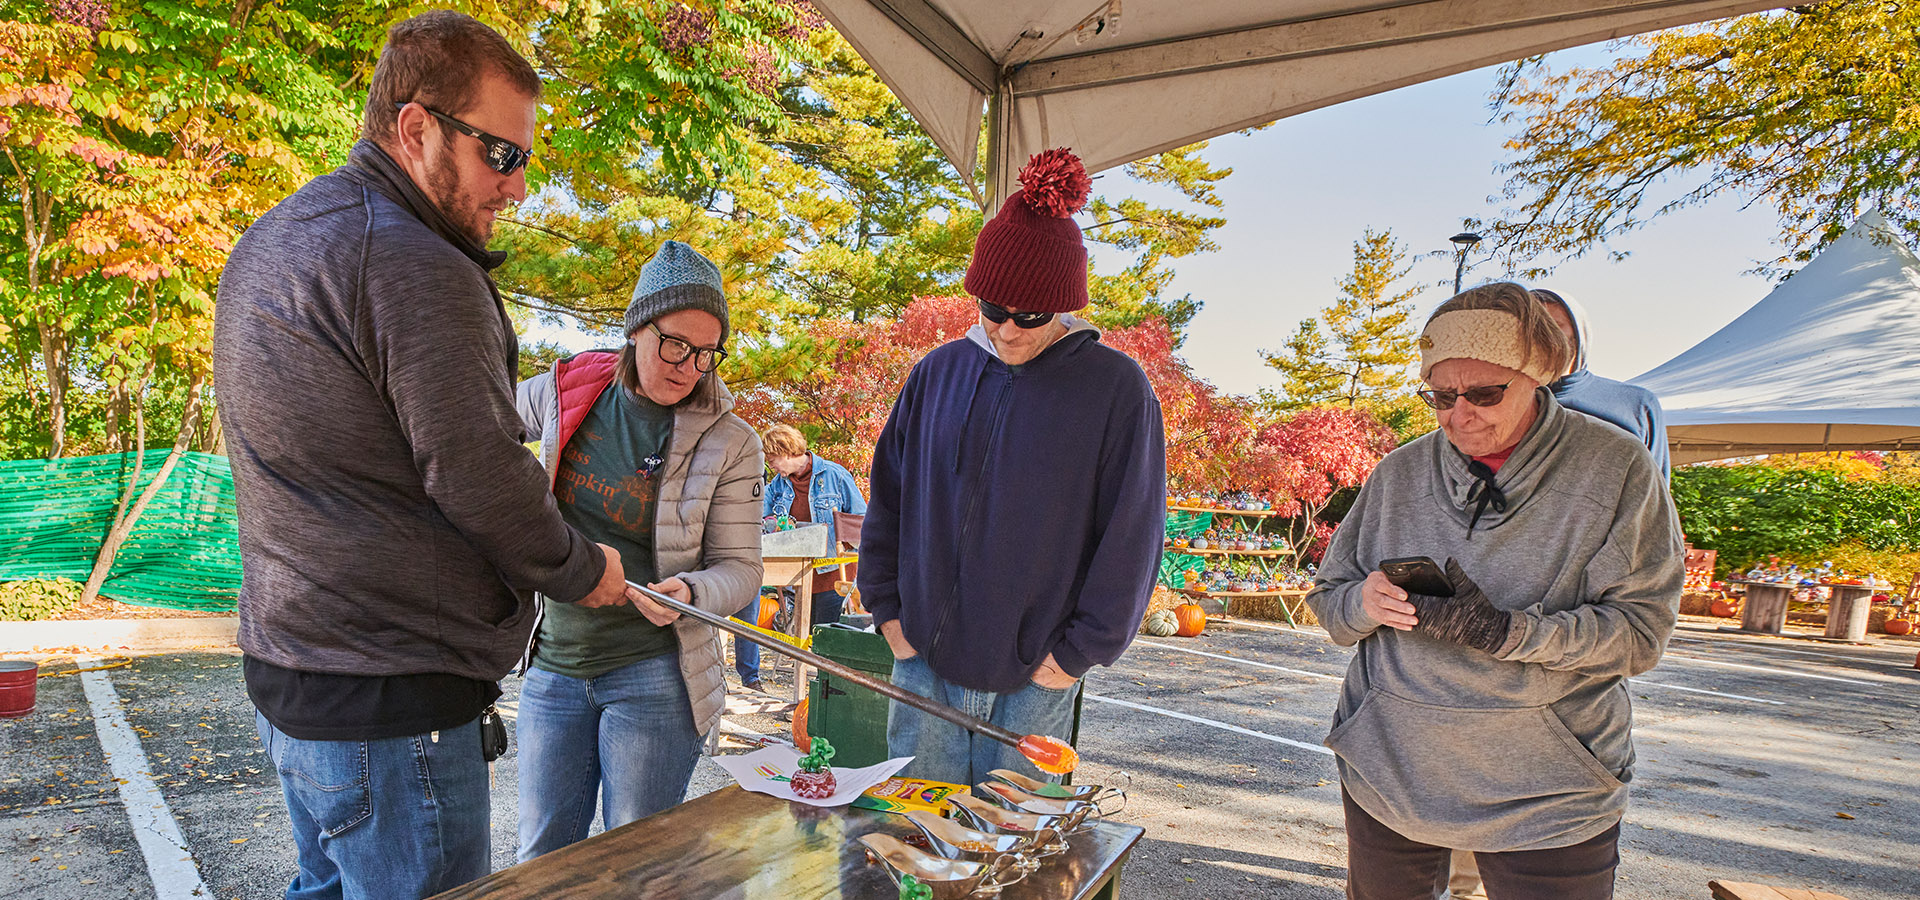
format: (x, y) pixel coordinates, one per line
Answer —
(1529, 748)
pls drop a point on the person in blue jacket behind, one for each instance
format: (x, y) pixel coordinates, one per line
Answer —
(810, 489)
(1633, 408)
(1017, 503)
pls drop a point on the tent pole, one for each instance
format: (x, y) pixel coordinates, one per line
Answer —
(1000, 170)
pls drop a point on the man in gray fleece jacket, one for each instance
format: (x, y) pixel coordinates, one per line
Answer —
(392, 527)
(1497, 720)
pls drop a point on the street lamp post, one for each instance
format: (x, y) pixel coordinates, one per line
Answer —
(1462, 242)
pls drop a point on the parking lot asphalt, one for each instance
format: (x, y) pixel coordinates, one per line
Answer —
(1760, 759)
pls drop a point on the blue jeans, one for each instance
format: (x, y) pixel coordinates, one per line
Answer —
(827, 607)
(403, 817)
(625, 738)
(943, 751)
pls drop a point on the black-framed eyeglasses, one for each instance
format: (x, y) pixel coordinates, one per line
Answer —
(500, 154)
(997, 314)
(674, 351)
(1484, 395)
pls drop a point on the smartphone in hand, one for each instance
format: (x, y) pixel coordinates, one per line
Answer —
(1417, 575)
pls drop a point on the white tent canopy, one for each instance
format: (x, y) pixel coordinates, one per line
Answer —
(1829, 361)
(1119, 84)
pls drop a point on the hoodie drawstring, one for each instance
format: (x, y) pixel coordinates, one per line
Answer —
(1484, 493)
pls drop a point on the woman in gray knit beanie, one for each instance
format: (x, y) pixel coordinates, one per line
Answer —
(648, 457)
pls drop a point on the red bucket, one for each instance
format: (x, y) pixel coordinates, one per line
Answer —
(17, 679)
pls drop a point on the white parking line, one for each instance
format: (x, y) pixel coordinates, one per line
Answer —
(1244, 662)
(1211, 723)
(1636, 682)
(1775, 670)
(169, 861)
(1748, 645)
(1310, 632)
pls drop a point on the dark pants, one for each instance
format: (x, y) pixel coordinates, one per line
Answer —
(1382, 865)
(827, 607)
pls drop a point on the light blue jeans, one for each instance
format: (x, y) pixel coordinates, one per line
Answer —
(625, 738)
(943, 751)
(389, 819)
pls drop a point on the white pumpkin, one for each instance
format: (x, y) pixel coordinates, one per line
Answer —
(1162, 623)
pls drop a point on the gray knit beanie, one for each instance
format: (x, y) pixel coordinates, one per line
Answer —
(677, 278)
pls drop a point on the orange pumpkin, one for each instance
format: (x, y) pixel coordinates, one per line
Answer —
(1722, 608)
(1192, 619)
(769, 608)
(801, 738)
(1899, 626)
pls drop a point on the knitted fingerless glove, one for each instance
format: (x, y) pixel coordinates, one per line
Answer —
(1467, 618)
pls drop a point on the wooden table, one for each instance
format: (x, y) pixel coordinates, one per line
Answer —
(1847, 607)
(1765, 610)
(744, 846)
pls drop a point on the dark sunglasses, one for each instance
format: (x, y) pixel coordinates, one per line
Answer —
(998, 314)
(502, 155)
(674, 351)
(1484, 395)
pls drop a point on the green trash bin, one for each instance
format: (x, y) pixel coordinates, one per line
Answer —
(852, 717)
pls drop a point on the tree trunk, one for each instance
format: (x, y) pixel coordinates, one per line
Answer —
(125, 519)
(53, 355)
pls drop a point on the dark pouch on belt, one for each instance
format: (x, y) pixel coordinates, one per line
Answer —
(493, 735)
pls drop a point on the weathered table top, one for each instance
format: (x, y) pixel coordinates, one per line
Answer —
(744, 846)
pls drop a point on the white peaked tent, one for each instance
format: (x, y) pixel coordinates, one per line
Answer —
(1117, 82)
(1829, 361)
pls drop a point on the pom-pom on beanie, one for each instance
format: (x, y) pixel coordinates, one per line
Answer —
(1031, 256)
(677, 278)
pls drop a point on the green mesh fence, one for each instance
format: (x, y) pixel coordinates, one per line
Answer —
(1173, 563)
(183, 554)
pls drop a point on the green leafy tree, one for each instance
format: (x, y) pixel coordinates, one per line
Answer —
(1809, 109)
(1360, 350)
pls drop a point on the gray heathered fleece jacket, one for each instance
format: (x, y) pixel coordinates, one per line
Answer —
(391, 522)
(1529, 748)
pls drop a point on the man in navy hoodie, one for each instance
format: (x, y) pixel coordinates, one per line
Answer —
(1018, 497)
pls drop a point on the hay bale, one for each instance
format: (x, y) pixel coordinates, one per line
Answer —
(1268, 609)
(1699, 603)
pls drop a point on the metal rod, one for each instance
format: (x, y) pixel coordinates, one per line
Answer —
(924, 704)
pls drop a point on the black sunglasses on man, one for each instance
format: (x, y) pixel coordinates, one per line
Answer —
(502, 155)
(998, 314)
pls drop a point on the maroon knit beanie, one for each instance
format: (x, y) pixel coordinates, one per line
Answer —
(1031, 257)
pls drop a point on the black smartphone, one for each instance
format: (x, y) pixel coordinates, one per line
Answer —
(1417, 575)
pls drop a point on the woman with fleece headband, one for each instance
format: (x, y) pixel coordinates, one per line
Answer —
(1564, 557)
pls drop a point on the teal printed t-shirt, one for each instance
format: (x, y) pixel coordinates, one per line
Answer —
(608, 488)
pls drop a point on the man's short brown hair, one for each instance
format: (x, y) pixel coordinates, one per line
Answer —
(439, 59)
(783, 441)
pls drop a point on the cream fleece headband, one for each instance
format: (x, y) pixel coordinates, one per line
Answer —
(1488, 335)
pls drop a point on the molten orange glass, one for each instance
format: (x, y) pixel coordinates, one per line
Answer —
(1052, 755)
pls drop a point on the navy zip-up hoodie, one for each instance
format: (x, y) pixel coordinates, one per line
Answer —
(1017, 511)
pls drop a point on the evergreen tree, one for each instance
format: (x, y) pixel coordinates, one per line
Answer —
(1358, 353)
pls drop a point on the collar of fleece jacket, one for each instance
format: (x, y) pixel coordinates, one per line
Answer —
(1519, 477)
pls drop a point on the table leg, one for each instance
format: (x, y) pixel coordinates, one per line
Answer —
(802, 626)
(1109, 887)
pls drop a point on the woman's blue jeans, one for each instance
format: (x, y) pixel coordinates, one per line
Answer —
(625, 738)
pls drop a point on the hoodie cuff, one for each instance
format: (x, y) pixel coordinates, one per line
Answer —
(1070, 660)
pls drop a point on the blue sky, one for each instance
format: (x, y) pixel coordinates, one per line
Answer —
(1417, 161)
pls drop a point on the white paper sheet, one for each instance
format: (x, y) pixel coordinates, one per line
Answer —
(765, 771)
